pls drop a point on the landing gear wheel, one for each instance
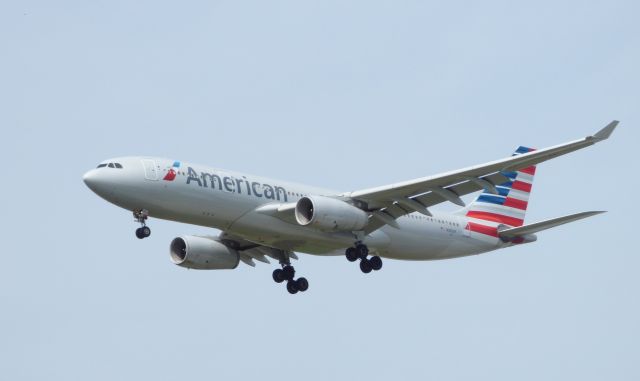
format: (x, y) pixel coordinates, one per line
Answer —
(278, 276)
(292, 287)
(351, 254)
(375, 262)
(365, 266)
(289, 272)
(302, 284)
(141, 216)
(143, 232)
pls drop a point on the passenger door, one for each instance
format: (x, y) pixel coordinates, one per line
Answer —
(150, 169)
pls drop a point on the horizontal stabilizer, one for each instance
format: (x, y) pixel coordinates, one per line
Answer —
(544, 225)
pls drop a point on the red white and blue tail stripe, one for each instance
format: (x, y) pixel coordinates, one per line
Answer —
(508, 206)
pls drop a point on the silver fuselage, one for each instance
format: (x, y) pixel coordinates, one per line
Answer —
(229, 201)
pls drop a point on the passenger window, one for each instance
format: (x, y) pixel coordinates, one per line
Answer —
(118, 165)
(111, 165)
(102, 165)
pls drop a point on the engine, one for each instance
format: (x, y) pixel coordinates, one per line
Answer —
(329, 214)
(202, 253)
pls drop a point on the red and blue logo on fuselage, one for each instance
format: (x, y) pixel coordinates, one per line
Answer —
(171, 174)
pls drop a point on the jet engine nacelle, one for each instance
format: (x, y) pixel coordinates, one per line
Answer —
(329, 214)
(203, 253)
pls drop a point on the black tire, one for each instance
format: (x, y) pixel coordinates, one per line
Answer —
(139, 233)
(146, 231)
(289, 272)
(278, 275)
(292, 287)
(365, 266)
(375, 262)
(302, 284)
(351, 254)
(362, 251)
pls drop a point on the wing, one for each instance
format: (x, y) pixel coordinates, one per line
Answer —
(386, 203)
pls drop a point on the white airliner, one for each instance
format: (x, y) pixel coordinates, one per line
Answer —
(262, 217)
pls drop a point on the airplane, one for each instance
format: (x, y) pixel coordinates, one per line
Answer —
(261, 218)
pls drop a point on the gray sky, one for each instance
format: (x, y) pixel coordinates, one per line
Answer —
(343, 95)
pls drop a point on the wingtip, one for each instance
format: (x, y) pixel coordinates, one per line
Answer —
(604, 133)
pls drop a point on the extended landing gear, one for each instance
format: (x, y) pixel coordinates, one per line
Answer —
(361, 251)
(143, 232)
(141, 216)
(287, 273)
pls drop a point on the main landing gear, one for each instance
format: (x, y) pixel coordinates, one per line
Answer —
(361, 251)
(287, 273)
(141, 215)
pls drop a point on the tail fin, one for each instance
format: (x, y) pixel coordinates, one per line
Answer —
(509, 205)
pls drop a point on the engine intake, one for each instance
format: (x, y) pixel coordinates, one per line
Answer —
(329, 214)
(202, 253)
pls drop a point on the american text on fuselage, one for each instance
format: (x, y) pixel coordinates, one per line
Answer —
(236, 185)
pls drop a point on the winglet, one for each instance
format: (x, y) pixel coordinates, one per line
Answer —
(605, 132)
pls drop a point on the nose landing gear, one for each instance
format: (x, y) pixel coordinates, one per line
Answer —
(140, 216)
(361, 251)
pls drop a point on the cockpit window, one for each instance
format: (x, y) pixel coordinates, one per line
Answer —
(110, 165)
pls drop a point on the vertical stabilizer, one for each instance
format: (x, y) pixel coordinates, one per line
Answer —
(510, 204)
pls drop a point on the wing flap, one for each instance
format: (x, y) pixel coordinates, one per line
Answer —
(397, 210)
(462, 188)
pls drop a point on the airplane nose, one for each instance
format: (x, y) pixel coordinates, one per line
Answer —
(96, 181)
(89, 179)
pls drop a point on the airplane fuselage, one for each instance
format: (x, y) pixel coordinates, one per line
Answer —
(232, 201)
